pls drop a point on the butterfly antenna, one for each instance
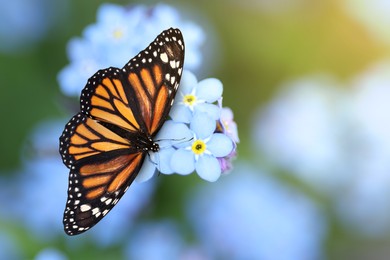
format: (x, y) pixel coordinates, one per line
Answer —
(179, 141)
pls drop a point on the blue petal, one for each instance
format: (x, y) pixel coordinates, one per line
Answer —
(209, 90)
(109, 13)
(177, 134)
(163, 160)
(173, 131)
(147, 170)
(220, 145)
(212, 110)
(187, 83)
(208, 168)
(202, 125)
(183, 162)
(181, 113)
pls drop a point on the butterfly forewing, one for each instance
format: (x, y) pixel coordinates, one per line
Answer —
(106, 98)
(119, 107)
(154, 76)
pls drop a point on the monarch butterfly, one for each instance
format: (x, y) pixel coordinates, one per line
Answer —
(122, 110)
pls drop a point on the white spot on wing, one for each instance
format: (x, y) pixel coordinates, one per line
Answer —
(95, 211)
(85, 207)
(164, 57)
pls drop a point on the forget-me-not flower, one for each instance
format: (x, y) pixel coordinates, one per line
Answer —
(50, 254)
(169, 134)
(25, 22)
(202, 151)
(199, 137)
(160, 240)
(228, 126)
(247, 215)
(119, 34)
(194, 96)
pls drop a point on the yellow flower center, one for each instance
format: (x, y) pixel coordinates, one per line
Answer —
(117, 33)
(189, 100)
(198, 147)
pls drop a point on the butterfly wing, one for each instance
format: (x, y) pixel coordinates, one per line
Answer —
(138, 97)
(102, 167)
(154, 76)
(118, 106)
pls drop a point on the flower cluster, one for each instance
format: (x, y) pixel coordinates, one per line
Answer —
(201, 135)
(119, 33)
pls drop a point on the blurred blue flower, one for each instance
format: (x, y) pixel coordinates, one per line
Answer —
(25, 22)
(201, 152)
(194, 96)
(50, 254)
(365, 205)
(40, 189)
(303, 130)
(118, 35)
(37, 184)
(338, 142)
(170, 134)
(116, 226)
(160, 240)
(247, 215)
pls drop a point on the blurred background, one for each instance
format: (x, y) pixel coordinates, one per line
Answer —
(308, 82)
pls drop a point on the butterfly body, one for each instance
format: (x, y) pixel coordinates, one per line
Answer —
(121, 112)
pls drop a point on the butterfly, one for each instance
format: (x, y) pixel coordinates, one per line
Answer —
(121, 111)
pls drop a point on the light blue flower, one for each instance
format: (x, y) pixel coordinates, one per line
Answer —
(25, 22)
(201, 152)
(171, 133)
(194, 96)
(247, 215)
(116, 226)
(184, 150)
(302, 130)
(227, 126)
(160, 240)
(50, 254)
(119, 34)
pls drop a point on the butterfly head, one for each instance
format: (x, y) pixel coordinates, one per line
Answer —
(146, 144)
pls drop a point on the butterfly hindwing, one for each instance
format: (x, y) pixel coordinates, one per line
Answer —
(96, 187)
